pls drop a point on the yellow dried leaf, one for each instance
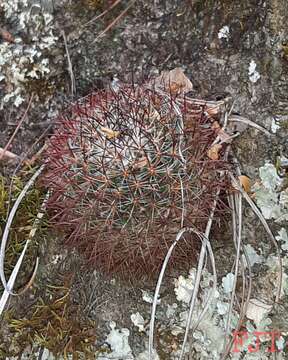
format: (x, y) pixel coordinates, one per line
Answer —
(213, 152)
(111, 134)
(245, 183)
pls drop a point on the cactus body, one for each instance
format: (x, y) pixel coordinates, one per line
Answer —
(128, 168)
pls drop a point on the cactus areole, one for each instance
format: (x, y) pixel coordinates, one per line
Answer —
(128, 168)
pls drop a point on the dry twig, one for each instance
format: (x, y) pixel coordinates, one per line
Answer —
(70, 67)
(2, 153)
(103, 13)
(114, 21)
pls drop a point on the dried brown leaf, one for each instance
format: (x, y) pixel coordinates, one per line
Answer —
(213, 152)
(174, 81)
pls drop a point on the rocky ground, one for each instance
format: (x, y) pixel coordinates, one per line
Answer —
(52, 53)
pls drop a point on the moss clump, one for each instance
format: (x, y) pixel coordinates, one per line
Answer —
(94, 4)
(285, 50)
(53, 323)
(46, 318)
(167, 343)
(22, 223)
(42, 87)
(284, 125)
(84, 8)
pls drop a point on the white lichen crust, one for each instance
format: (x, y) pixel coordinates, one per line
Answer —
(26, 56)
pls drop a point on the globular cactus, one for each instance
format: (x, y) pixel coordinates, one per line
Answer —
(128, 168)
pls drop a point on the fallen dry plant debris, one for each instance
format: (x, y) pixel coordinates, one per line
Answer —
(137, 176)
(113, 22)
(7, 155)
(8, 285)
(4, 153)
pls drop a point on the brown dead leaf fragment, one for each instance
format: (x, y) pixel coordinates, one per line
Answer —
(245, 183)
(213, 152)
(215, 125)
(110, 134)
(174, 81)
(213, 110)
(6, 35)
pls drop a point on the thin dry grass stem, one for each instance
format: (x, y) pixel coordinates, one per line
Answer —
(5, 296)
(230, 110)
(205, 245)
(199, 273)
(225, 120)
(226, 115)
(244, 260)
(70, 67)
(8, 225)
(2, 153)
(236, 214)
(156, 293)
(268, 230)
(249, 286)
(114, 21)
(208, 103)
(266, 227)
(102, 14)
(228, 139)
(232, 199)
(241, 119)
(181, 137)
(210, 295)
(237, 261)
(183, 202)
(244, 302)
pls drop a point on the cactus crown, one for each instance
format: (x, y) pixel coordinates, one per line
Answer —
(128, 168)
